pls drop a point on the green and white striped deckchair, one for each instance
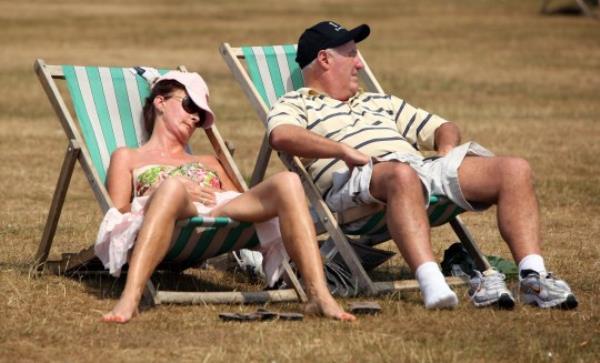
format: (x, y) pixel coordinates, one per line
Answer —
(265, 73)
(108, 104)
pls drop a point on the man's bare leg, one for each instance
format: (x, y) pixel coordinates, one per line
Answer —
(400, 187)
(508, 183)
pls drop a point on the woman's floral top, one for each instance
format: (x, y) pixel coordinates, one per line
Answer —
(150, 176)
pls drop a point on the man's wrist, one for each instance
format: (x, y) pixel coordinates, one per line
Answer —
(445, 149)
(341, 150)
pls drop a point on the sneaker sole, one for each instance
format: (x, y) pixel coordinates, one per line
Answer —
(570, 302)
(505, 301)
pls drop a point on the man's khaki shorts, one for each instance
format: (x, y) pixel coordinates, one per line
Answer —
(438, 176)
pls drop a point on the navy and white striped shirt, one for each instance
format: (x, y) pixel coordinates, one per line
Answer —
(376, 124)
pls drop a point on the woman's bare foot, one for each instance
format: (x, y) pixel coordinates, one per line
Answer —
(329, 308)
(121, 313)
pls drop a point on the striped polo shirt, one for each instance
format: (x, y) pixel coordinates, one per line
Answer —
(376, 124)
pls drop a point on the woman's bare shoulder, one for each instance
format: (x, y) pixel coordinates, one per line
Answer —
(210, 161)
(123, 154)
(125, 157)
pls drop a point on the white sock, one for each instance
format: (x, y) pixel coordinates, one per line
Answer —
(532, 262)
(434, 289)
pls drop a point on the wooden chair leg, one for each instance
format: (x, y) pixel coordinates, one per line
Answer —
(295, 282)
(586, 9)
(149, 297)
(58, 199)
(238, 297)
(262, 161)
(469, 243)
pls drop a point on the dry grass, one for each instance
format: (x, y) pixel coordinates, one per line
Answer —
(515, 81)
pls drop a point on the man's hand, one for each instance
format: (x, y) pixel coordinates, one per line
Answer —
(447, 137)
(353, 157)
(443, 151)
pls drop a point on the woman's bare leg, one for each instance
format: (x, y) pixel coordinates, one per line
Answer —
(282, 196)
(169, 203)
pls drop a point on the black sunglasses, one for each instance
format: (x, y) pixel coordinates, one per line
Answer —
(190, 107)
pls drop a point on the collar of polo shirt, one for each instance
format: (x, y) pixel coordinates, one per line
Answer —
(313, 92)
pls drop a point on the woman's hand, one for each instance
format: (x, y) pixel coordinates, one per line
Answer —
(199, 192)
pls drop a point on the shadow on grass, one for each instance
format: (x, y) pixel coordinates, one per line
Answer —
(100, 283)
(19, 266)
(390, 272)
(104, 286)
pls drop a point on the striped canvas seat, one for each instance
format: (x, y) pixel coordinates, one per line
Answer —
(108, 103)
(266, 73)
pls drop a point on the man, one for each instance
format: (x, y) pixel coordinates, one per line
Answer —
(365, 148)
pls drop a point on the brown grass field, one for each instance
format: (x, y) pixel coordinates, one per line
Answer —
(515, 81)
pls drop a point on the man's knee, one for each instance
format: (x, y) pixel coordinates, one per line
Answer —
(402, 174)
(515, 168)
(395, 177)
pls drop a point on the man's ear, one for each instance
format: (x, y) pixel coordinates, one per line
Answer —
(323, 59)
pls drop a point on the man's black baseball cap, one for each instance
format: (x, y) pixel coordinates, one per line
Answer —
(326, 34)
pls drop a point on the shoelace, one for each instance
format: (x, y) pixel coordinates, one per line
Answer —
(552, 282)
(496, 280)
(548, 276)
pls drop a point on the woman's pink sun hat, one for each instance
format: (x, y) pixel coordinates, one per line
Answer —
(196, 88)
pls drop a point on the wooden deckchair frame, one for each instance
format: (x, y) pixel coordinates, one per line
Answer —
(77, 151)
(584, 6)
(329, 221)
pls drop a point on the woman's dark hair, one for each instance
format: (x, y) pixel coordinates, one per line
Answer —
(163, 88)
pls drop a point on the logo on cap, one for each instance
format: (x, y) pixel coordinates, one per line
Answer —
(337, 27)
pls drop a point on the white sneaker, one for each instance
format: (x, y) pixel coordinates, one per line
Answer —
(546, 291)
(489, 288)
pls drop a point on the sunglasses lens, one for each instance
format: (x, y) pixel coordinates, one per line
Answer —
(189, 106)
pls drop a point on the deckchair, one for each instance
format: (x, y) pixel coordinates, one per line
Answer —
(587, 7)
(108, 102)
(270, 72)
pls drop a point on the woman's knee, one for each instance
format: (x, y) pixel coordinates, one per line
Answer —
(287, 182)
(172, 189)
(171, 200)
(286, 186)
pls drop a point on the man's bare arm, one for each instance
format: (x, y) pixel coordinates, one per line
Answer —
(447, 136)
(300, 142)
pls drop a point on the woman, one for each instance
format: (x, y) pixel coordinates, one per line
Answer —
(170, 184)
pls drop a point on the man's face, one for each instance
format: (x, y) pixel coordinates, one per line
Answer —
(345, 65)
